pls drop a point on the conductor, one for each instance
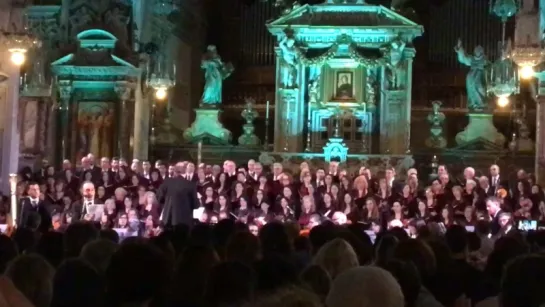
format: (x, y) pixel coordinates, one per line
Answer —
(178, 197)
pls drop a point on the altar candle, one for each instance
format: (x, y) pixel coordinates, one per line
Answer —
(267, 111)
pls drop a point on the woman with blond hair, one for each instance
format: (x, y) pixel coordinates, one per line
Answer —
(150, 206)
(361, 190)
(335, 257)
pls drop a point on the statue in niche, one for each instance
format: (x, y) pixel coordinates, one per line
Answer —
(370, 90)
(476, 78)
(290, 59)
(436, 119)
(314, 87)
(394, 53)
(215, 71)
(313, 91)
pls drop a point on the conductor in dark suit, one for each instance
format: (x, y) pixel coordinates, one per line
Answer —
(178, 197)
(32, 205)
(493, 206)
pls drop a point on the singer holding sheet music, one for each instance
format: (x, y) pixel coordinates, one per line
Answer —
(88, 205)
(178, 197)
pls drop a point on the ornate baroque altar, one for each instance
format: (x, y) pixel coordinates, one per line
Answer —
(344, 73)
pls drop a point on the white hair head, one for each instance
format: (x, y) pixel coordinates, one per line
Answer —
(367, 286)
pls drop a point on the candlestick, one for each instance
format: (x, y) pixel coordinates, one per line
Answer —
(13, 199)
(266, 140)
(199, 153)
(309, 128)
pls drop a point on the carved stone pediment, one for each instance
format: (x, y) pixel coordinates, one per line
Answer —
(366, 24)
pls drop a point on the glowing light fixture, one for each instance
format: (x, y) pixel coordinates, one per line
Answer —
(503, 102)
(161, 75)
(526, 72)
(161, 93)
(18, 56)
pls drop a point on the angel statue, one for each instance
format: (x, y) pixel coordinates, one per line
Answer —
(476, 77)
(215, 71)
(290, 59)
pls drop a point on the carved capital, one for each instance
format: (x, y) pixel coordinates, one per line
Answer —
(65, 92)
(123, 91)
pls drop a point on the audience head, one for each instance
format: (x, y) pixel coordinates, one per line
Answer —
(137, 273)
(229, 283)
(523, 282)
(33, 276)
(77, 283)
(76, 236)
(98, 254)
(366, 286)
(336, 257)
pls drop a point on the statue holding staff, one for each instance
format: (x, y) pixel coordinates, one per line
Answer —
(476, 77)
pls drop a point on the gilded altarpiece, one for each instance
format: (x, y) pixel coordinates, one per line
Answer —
(344, 72)
(95, 98)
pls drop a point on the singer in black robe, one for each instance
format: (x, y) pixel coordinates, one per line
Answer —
(178, 197)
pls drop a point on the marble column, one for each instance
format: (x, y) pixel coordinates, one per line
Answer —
(124, 93)
(141, 123)
(395, 106)
(290, 110)
(540, 145)
(9, 92)
(51, 151)
(63, 113)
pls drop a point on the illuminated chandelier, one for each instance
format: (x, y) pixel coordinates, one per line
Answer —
(18, 44)
(502, 76)
(528, 52)
(161, 75)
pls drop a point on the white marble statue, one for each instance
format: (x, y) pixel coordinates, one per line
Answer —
(215, 71)
(290, 60)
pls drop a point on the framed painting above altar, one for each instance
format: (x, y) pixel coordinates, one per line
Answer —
(95, 129)
(344, 85)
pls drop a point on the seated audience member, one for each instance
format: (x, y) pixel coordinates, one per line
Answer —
(523, 282)
(288, 296)
(229, 284)
(365, 286)
(316, 280)
(33, 276)
(137, 273)
(98, 254)
(77, 283)
(336, 257)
